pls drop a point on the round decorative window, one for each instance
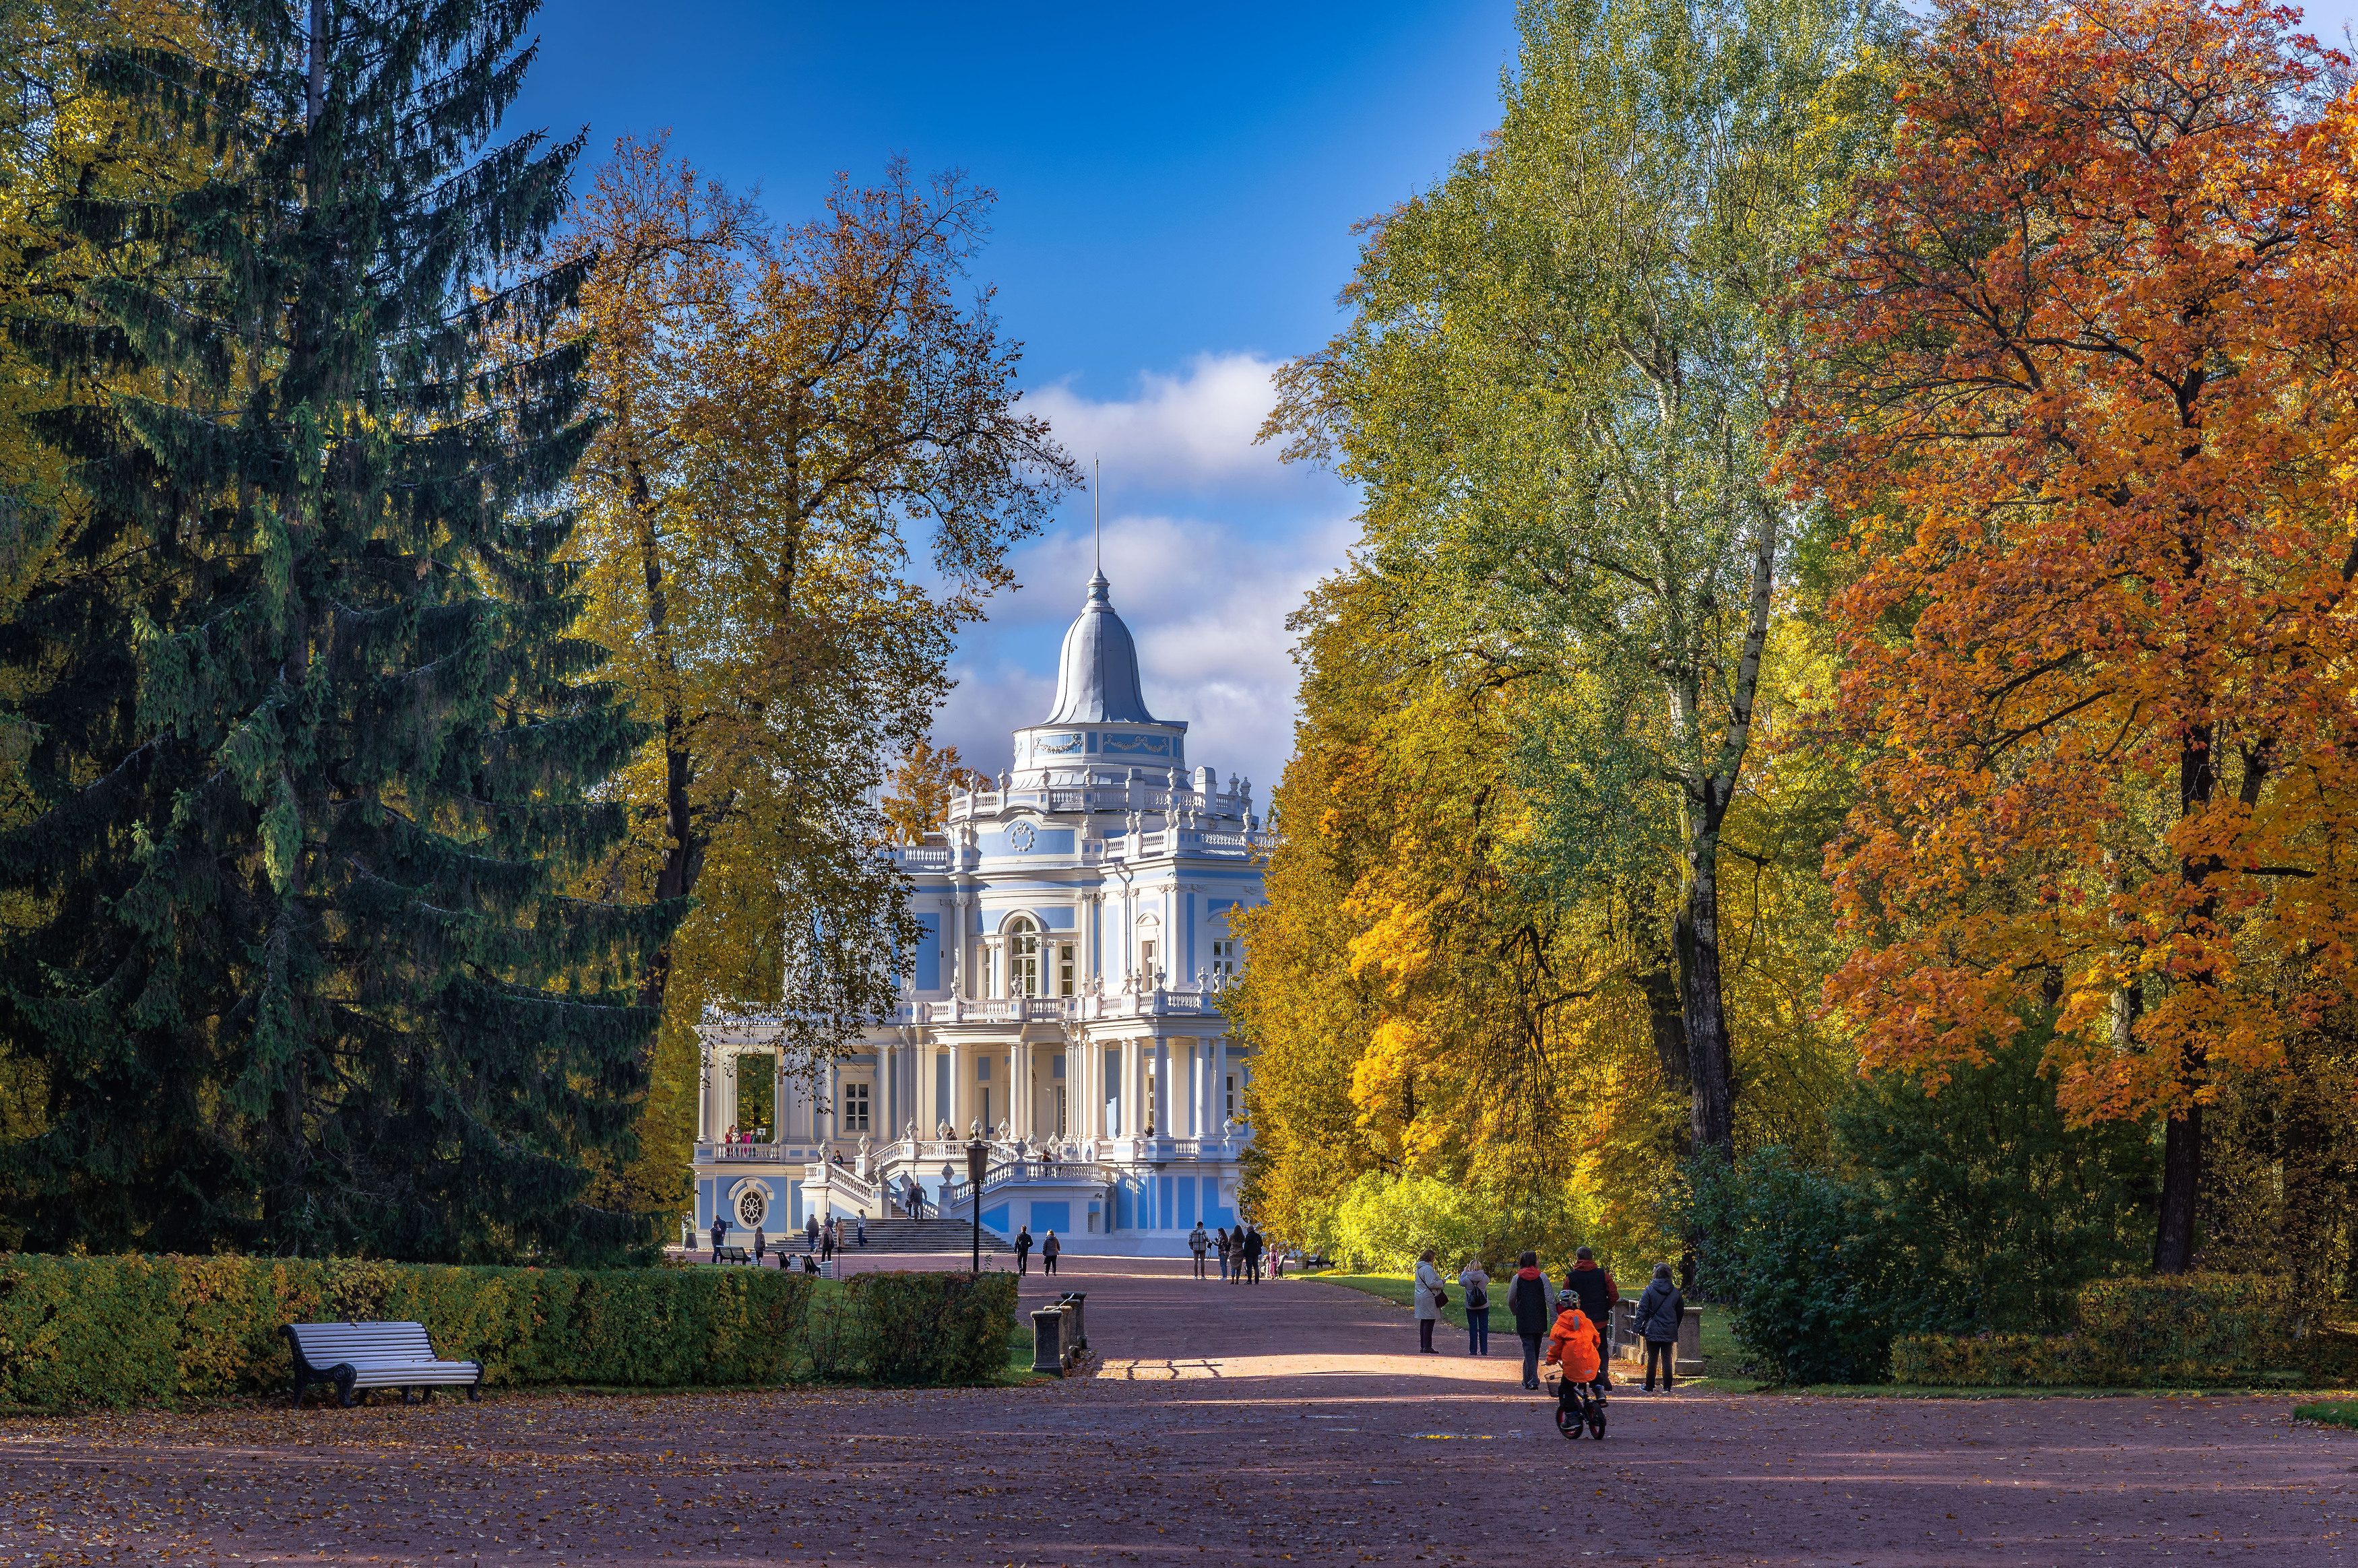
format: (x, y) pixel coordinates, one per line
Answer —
(752, 1204)
(1019, 838)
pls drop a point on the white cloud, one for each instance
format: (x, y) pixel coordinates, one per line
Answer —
(1193, 430)
(1209, 544)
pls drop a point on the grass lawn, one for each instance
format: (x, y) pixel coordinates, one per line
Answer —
(2329, 1412)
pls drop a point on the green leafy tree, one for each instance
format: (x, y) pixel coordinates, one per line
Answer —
(1995, 1210)
(1553, 390)
(314, 749)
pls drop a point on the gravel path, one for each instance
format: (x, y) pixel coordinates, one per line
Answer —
(1284, 1421)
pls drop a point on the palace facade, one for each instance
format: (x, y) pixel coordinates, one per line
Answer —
(1064, 1002)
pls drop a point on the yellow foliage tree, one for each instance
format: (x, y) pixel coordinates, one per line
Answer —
(808, 475)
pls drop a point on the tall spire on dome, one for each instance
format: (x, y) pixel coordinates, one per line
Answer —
(1097, 677)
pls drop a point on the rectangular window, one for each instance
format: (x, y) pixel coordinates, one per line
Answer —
(855, 1107)
(1224, 956)
(1231, 1112)
(987, 1122)
(1056, 1065)
(1060, 1111)
(982, 1068)
(1064, 969)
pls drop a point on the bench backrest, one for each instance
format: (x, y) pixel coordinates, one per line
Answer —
(325, 1344)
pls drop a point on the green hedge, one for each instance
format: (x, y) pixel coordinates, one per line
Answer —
(2179, 1330)
(146, 1330)
(915, 1328)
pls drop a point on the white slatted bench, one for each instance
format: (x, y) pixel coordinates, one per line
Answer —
(353, 1355)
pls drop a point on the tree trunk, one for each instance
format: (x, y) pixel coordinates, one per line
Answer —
(1709, 1059)
(2182, 1185)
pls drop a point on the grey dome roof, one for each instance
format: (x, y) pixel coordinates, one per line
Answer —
(1097, 679)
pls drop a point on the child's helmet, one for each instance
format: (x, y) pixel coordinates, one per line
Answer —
(1565, 1298)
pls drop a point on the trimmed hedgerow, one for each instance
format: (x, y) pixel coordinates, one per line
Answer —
(130, 1330)
(927, 1327)
(2176, 1331)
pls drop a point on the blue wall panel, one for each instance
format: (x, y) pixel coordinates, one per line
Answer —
(929, 953)
(1048, 1216)
(995, 1218)
(1187, 1218)
(1162, 1185)
(704, 1205)
(1121, 1206)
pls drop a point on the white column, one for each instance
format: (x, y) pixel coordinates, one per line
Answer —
(707, 1071)
(1163, 1100)
(1219, 1082)
(951, 1113)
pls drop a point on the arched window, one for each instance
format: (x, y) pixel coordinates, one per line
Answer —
(1023, 959)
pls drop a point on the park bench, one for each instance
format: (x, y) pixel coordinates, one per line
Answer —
(731, 1255)
(354, 1356)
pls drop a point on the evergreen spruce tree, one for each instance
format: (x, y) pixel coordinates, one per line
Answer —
(309, 752)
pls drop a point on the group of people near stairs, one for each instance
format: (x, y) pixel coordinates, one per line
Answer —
(821, 1239)
(1239, 1250)
(1562, 1326)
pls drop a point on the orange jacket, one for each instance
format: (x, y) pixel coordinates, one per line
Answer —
(1574, 1344)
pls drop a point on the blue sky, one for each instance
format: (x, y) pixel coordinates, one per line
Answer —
(1176, 190)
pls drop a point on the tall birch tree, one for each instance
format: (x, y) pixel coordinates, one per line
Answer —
(1553, 389)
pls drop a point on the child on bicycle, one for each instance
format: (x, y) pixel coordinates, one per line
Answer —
(1574, 1347)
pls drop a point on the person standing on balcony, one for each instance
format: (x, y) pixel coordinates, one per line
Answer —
(1197, 1243)
(1023, 1251)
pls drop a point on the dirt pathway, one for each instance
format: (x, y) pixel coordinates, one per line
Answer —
(1284, 1421)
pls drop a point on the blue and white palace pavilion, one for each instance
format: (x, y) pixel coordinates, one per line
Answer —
(1063, 1004)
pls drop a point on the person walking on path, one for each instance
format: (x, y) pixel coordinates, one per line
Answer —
(1597, 1293)
(1475, 1286)
(1253, 1246)
(1023, 1251)
(1527, 1298)
(1431, 1292)
(720, 1234)
(1049, 1247)
(1197, 1243)
(826, 1240)
(862, 1223)
(1221, 1242)
(1659, 1313)
(810, 1235)
(759, 1241)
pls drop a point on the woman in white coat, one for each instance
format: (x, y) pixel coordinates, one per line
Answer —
(1430, 1295)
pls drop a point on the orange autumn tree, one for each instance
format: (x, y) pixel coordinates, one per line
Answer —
(2084, 347)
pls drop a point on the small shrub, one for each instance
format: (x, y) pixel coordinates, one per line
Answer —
(1797, 1253)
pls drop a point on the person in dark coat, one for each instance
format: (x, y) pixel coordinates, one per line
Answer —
(720, 1234)
(1024, 1250)
(1597, 1293)
(1252, 1253)
(1657, 1322)
(1529, 1298)
(1048, 1250)
(759, 1241)
(810, 1234)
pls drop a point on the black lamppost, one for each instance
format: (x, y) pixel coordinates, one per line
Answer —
(978, 1161)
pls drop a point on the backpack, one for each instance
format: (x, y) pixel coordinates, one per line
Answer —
(1476, 1298)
